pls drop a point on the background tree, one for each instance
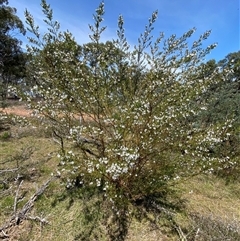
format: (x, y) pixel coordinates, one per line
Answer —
(127, 124)
(12, 58)
(223, 103)
(232, 61)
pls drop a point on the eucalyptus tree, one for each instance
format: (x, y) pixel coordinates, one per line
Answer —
(12, 58)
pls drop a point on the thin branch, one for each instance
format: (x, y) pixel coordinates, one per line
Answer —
(16, 198)
(9, 170)
(181, 234)
(17, 218)
(39, 219)
(4, 235)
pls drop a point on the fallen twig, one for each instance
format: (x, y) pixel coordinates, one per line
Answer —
(16, 198)
(9, 170)
(18, 217)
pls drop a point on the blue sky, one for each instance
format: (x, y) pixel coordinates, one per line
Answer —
(174, 17)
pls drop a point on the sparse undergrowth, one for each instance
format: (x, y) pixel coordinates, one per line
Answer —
(212, 207)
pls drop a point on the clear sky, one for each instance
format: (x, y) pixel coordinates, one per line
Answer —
(175, 17)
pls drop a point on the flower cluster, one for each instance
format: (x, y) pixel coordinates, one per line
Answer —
(127, 119)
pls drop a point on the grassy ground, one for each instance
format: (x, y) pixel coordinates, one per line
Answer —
(29, 156)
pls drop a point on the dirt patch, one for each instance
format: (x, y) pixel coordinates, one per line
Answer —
(24, 111)
(20, 110)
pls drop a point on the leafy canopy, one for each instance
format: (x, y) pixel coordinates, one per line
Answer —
(12, 59)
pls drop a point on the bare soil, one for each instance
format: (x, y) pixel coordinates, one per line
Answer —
(24, 111)
(20, 110)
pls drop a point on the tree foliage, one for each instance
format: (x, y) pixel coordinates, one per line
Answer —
(223, 103)
(125, 119)
(232, 62)
(12, 59)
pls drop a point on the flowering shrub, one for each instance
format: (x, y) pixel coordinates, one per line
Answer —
(129, 113)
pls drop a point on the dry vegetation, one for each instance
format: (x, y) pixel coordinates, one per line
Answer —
(27, 159)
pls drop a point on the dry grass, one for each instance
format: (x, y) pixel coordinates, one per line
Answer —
(210, 195)
(212, 206)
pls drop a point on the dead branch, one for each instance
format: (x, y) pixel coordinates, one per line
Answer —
(9, 170)
(4, 235)
(39, 219)
(16, 198)
(18, 217)
(180, 233)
